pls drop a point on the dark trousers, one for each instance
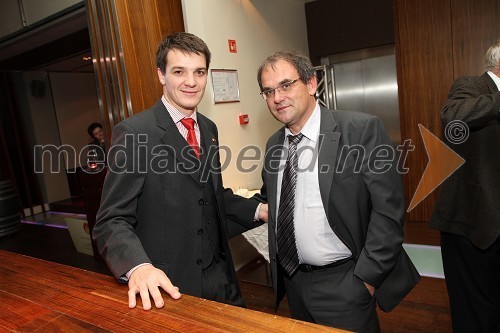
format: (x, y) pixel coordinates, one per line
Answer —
(217, 284)
(332, 297)
(473, 283)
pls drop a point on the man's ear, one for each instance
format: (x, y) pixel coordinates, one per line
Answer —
(312, 85)
(161, 77)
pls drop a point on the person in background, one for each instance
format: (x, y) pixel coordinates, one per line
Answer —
(96, 155)
(467, 211)
(335, 220)
(165, 217)
(96, 133)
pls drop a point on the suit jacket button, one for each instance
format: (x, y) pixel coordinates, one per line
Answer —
(200, 231)
(199, 262)
(201, 202)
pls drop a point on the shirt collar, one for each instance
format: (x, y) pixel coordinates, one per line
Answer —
(176, 114)
(495, 79)
(311, 127)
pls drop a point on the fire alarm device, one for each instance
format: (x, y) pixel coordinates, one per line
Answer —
(244, 119)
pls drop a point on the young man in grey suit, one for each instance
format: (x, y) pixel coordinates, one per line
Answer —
(165, 218)
(336, 222)
(467, 211)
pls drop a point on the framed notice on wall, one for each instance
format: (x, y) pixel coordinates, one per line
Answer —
(225, 85)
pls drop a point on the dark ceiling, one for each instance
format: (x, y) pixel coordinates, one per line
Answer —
(58, 45)
(61, 55)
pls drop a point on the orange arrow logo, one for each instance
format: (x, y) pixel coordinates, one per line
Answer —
(443, 162)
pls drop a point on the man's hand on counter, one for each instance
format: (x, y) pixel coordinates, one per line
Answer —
(146, 280)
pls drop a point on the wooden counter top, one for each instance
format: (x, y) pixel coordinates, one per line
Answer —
(38, 295)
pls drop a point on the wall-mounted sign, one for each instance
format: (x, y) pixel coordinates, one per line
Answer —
(232, 45)
(225, 85)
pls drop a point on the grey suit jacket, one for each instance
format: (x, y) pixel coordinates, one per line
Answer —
(150, 206)
(364, 208)
(468, 203)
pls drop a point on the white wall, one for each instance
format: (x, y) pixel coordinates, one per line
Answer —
(260, 27)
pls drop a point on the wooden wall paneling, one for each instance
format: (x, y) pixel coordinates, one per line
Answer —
(143, 24)
(423, 50)
(124, 35)
(175, 21)
(475, 26)
(108, 63)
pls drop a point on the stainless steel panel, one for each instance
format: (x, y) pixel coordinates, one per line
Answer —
(367, 82)
(381, 93)
(349, 87)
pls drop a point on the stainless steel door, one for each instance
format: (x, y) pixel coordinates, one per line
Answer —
(367, 85)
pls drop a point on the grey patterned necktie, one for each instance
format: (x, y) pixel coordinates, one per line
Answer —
(287, 249)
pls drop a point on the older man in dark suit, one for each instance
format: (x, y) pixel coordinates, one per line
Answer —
(335, 213)
(468, 209)
(165, 218)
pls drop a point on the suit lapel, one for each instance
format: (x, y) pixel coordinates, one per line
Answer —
(186, 164)
(328, 144)
(492, 87)
(210, 149)
(273, 157)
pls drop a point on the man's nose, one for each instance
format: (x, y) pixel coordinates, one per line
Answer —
(278, 96)
(190, 80)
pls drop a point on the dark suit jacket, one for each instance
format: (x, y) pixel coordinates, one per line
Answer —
(468, 203)
(365, 209)
(150, 208)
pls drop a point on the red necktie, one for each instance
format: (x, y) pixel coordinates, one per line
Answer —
(191, 137)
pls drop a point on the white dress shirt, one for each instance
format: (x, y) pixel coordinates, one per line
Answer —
(177, 116)
(317, 244)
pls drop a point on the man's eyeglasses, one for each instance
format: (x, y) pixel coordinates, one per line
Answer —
(282, 88)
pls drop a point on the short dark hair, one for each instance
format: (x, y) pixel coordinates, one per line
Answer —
(91, 129)
(296, 58)
(184, 42)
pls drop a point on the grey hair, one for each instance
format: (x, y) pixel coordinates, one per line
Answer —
(492, 58)
(296, 58)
